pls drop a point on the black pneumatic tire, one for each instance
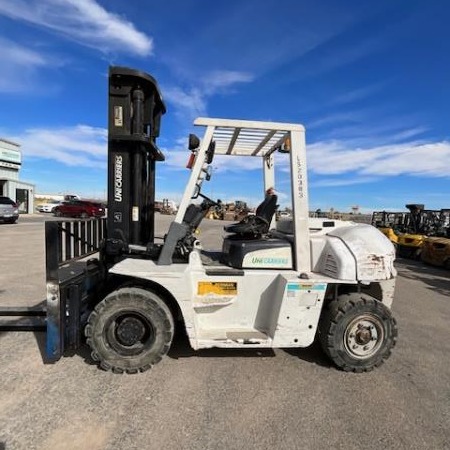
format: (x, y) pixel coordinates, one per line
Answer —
(130, 330)
(357, 332)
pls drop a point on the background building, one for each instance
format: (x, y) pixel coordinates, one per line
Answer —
(10, 185)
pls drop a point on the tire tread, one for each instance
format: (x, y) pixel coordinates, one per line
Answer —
(125, 295)
(335, 313)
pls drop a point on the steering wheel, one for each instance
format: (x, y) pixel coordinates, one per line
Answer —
(212, 202)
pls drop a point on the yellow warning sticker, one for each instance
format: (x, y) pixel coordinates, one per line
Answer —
(217, 288)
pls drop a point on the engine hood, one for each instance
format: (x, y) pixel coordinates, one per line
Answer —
(373, 252)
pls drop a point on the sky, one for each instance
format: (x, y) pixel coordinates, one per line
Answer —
(369, 80)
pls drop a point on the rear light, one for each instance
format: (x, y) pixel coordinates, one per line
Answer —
(191, 161)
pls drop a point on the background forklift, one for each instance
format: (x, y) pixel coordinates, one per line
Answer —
(109, 281)
(419, 224)
(436, 249)
(390, 223)
(168, 207)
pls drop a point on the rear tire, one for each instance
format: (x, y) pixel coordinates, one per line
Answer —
(130, 330)
(357, 332)
(58, 213)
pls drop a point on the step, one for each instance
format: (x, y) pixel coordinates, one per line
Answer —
(239, 334)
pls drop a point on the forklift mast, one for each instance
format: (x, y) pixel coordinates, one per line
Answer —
(134, 117)
(415, 219)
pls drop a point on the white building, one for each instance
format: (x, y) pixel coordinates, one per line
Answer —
(10, 185)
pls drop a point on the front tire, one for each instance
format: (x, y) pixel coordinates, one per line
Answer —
(357, 332)
(130, 330)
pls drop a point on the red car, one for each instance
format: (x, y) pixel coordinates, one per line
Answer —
(80, 208)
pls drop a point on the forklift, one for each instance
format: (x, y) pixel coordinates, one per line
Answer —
(419, 224)
(390, 223)
(436, 248)
(111, 286)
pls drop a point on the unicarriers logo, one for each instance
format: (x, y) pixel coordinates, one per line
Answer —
(118, 178)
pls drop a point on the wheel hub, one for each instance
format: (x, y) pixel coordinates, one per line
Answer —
(130, 331)
(363, 336)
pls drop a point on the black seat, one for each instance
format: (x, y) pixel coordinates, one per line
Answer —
(259, 223)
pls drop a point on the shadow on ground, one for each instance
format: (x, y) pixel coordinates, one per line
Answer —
(182, 349)
(435, 278)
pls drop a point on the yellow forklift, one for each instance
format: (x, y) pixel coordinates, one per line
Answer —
(390, 223)
(419, 224)
(436, 249)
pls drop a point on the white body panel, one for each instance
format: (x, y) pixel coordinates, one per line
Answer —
(268, 308)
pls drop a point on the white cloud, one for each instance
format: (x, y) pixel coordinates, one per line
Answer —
(220, 79)
(80, 145)
(338, 182)
(337, 162)
(84, 21)
(337, 58)
(358, 93)
(411, 158)
(341, 163)
(336, 118)
(407, 134)
(191, 102)
(18, 67)
(359, 130)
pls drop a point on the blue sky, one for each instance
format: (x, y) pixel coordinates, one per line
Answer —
(369, 80)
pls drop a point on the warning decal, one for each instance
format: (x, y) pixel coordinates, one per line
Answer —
(217, 288)
(294, 289)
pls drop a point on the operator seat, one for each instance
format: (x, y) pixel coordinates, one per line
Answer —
(252, 226)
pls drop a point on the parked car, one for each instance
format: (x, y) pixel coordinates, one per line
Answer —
(48, 207)
(284, 215)
(9, 210)
(80, 208)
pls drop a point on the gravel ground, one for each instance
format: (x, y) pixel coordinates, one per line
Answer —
(225, 399)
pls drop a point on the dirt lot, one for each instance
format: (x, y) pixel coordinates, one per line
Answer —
(225, 399)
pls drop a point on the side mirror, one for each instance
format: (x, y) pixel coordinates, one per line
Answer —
(194, 142)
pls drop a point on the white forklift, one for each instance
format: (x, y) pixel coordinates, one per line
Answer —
(267, 287)
(270, 286)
